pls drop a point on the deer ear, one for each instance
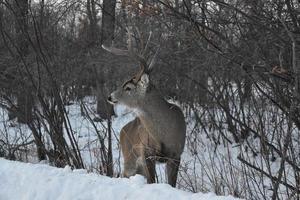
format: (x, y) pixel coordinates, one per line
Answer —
(144, 80)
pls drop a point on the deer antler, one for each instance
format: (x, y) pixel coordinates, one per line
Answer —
(116, 51)
(122, 52)
(138, 55)
(153, 60)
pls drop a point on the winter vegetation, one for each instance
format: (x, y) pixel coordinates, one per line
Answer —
(232, 67)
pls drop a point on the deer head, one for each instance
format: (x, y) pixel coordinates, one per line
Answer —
(134, 91)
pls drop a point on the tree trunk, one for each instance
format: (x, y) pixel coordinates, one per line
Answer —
(104, 109)
(92, 16)
(108, 21)
(24, 96)
(107, 35)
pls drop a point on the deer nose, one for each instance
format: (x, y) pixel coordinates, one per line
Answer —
(111, 100)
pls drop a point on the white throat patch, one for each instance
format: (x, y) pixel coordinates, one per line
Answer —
(138, 112)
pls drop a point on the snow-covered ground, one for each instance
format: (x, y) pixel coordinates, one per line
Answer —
(25, 181)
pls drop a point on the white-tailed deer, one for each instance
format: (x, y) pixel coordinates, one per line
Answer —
(158, 132)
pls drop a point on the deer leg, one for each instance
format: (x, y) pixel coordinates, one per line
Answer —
(172, 171)
(146, 167)
(150, 164)
(141, 167)
(130, 160)
(129, 168)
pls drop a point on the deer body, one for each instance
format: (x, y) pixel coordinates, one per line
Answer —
(158, 132)
(164, 122)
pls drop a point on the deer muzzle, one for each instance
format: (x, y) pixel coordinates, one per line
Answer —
(111, 99)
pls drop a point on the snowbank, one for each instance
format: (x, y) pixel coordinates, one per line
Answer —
(25, 181)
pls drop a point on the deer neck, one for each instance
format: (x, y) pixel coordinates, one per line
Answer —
(153, 114)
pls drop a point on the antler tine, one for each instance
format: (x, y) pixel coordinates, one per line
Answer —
(138, 55)
(130, 41)
(144, 65)
(142, 55)
(147, 44)
(122, 52)
(155, 57)
(134, 53)
(147, 68)
(139, 40)
(153, 60)
(138, 76)
(116, 51)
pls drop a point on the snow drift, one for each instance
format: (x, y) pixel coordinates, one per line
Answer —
(25, 181)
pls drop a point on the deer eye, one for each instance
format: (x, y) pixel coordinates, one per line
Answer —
(127, 88)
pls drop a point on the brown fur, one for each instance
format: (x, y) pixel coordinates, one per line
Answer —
(138, 149)
(156, 134)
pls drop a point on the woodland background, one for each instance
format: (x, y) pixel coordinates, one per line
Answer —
(233, 67)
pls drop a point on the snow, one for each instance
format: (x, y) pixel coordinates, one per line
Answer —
(204, 166)
(26, 181)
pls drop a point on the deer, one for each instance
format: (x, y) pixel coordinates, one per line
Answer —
(158, 132)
